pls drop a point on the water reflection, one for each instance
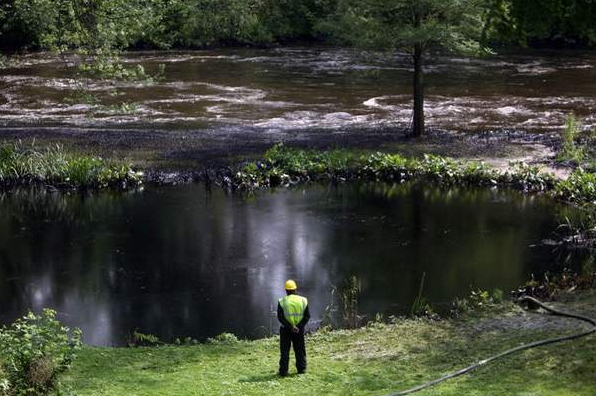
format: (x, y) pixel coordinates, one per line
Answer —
(182, 261)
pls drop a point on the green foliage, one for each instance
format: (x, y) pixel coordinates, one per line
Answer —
(110, 67)
(570, 151)
(287, 166)
(550, 285)
(579, 187)
(139, 339)
(35, 349)
(526, 22)
(96, 27)
(580, 230)
(342, 310)
(528, 177)
(349, 294)
(20, 164)
(223, 338)
(403, 24)
(201, 23)
(477, 302)
(413, 26)
(421, 306)
(162, 24)
(290, 19)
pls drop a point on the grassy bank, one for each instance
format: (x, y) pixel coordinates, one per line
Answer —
(22, 165)
(285, 166)
(374, 360)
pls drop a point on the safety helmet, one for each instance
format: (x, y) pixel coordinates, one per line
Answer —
(291, 285)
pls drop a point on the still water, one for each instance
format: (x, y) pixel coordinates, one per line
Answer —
(272, 90)
(185, 261)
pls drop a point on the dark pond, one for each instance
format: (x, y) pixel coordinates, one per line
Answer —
(296, 88)
(182, 261)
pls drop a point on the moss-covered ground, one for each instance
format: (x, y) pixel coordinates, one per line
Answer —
(374, 360)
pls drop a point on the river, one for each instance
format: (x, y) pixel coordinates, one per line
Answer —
(280, 89)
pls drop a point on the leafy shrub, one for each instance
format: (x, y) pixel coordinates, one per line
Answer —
(547, 287)
(140, 339)
(527, 177)
(477, 301)
(35, 349)
(579, 187)
(387, 166)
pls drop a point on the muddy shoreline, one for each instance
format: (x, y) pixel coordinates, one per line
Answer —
(178, 156)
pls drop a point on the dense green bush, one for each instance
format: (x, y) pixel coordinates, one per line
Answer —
(103, 24)
(579, 187)
(198, 23)
(35, 349)
(528, 22)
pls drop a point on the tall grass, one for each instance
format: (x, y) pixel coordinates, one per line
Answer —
(21, 164)
(570, 150)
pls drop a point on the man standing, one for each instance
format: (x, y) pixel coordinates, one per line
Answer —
(292, 313)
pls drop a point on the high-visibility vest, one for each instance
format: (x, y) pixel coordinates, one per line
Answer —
(294, 307)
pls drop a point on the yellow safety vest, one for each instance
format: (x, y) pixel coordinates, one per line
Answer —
(294, 307)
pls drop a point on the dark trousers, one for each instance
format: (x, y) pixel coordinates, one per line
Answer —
(286, 339)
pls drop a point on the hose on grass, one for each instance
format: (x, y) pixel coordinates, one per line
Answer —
(512, 350)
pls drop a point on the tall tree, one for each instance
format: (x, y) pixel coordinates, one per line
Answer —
(413, 26)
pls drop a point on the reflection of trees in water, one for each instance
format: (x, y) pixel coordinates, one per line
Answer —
(182, 261)
(169, 261)
(48, 242)
(459, 236)
(41, 205)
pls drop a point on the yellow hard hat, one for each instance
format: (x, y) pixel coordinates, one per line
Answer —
(291, 285)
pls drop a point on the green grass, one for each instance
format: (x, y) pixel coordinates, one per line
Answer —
(54, 166)
(373, 360)
(285, 166)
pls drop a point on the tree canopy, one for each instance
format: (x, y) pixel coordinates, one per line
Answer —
(413, 26)
(403, 24)
(159, 24)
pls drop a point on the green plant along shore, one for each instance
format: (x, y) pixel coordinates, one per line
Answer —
(21, 164)
(285, 166)
(373, 360)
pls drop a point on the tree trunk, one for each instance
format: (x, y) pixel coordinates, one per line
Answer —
(418, 122)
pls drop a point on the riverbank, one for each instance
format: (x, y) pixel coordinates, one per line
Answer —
(374, 360)
(187, 155)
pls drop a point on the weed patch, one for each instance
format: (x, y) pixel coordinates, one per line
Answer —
(21, 165)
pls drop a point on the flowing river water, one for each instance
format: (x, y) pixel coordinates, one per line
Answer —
(273, 90)
(186, 261)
